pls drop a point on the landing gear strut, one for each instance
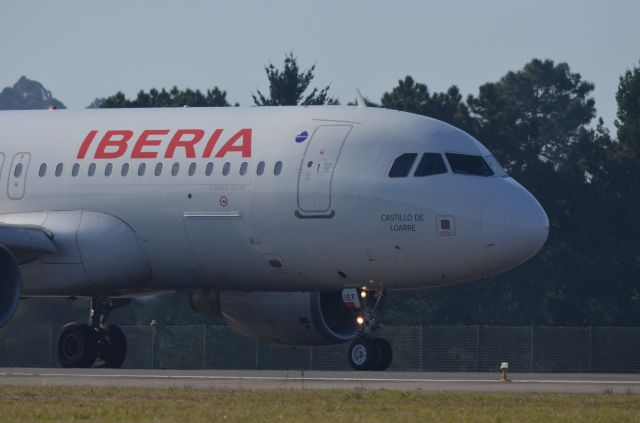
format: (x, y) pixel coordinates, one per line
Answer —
(367, 352)
(83, 345)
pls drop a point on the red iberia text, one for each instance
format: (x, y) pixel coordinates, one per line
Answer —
(164, 143)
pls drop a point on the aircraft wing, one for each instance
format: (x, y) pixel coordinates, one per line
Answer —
(26, 242)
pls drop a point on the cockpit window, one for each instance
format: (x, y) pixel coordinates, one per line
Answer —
(496, 167)
(468, 164)
(430, 164)
(402, 165)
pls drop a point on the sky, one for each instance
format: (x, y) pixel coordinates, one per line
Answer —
(81, 49)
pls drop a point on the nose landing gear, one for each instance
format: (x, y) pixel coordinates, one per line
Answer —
(367, 352)
(83, 345)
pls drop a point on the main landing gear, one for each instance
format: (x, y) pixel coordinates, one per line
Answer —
(367, 352)
(83, 345)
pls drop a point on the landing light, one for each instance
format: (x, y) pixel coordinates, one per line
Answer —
(363, 294)
(360, 320)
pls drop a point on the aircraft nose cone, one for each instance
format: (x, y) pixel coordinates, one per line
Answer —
(515, 226)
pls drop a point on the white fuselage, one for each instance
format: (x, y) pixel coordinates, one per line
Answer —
(331, 218)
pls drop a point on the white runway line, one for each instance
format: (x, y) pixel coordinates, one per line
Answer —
(313, 378)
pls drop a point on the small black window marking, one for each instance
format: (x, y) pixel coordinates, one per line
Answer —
(445, 224)
(175, 169)
(75, 169)
(277, 169)
(59, 169)
(226, 168)
(243, 168)
(402, 165)
(108, 169)
(468, 164)
(192, 169)
(43, 170)
(430, 164)
(260, 168)
(158, 170)
(125, 169)
(142, 167)
(92, 169)
(209, 169)
(17, 171)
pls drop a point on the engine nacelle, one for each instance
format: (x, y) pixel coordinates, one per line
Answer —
(288, 318)
(10, 282)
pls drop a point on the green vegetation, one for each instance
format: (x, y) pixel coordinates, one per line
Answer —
(55, 404)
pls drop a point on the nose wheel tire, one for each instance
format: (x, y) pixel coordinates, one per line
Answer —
(77, 345)
(370, 354)
(362, 354)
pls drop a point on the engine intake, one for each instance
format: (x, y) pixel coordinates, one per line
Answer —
(289, 318)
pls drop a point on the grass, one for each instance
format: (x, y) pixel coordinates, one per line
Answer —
(63, 404)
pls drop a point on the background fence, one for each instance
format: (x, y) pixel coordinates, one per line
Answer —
(416, 348)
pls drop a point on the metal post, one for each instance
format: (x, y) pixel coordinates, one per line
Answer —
(421, 340)
(154, 340)
(310, 359)
(204, 347)
(531, 349)
(51, 344)
(590, 349)
(477, 348)
(256, 354)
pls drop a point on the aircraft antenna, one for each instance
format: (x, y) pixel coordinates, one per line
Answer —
(360, 100)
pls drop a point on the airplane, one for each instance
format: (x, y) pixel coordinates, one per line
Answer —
(291, 223)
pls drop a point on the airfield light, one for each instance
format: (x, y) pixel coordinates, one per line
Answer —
(360, 320)
(363, 294)
(504, 369)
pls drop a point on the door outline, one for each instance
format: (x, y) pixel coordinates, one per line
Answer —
(316, 150)
(16, 184)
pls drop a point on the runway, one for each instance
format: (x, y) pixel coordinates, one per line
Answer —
(297, 379)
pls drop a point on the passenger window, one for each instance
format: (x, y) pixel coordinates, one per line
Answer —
(59, 169)
(277, 168)
(141, 169)
(158, 170)
(92, 169)
(402, 165)
(243, 168)
(43, 170)
(226, 168)
(430, 164)
(260, 169)
(468, 164)
(108, 169)
(125, 169)
(75, 169)
(175, 169)
(17, 171)
(192, 169)
(209, 169)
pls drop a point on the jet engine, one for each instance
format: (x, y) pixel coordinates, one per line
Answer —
(288, 318)
(10, 282)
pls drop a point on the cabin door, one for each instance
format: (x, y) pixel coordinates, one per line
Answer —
(317, 169)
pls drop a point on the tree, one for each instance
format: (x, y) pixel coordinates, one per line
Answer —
(534, 114)
(413, 97)
(287, 86)
(174, 98)
(628, 122)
